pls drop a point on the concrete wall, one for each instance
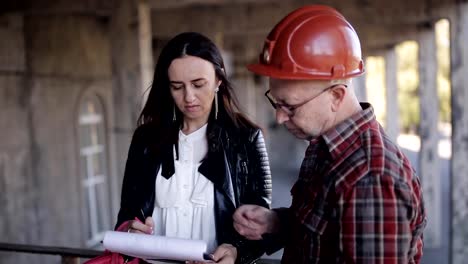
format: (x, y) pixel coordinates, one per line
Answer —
(46, 66)
(18, 193)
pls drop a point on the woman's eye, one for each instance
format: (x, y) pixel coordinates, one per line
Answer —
(174, 87)
(198, 85)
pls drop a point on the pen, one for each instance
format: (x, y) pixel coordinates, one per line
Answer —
(144, 219)
(141, 220)
(207, 256)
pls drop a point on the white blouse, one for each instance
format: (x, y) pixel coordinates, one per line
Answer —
(184, 203)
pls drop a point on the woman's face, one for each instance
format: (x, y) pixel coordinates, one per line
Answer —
(193, 84)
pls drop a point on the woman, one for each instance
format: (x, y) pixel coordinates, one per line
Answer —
(194, 158)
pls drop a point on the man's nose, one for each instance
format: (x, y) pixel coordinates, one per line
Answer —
(281, 116)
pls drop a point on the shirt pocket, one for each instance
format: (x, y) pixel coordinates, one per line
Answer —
(309, 207)
(203, 192)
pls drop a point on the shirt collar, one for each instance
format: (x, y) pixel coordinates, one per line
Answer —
(195, 135)
(347, 132)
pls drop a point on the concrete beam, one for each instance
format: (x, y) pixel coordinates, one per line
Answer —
(231, 20)
(377, 40)
(63, 7)
(376, 25)
(170, 4)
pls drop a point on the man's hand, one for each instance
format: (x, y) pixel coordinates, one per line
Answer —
(252, 221)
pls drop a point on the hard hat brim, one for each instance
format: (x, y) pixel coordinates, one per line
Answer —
(272, 72)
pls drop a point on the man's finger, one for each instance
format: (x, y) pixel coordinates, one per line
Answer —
(242, 229)
(241, 223)
(248, 233)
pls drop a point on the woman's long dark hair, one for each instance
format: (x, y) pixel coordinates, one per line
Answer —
(159, 108)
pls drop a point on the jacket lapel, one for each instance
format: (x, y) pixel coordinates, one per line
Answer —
(216, 165)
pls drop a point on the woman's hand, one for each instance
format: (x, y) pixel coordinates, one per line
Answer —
(224, 254)
(136, 226)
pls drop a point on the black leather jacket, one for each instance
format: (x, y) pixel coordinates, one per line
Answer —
(236, 163)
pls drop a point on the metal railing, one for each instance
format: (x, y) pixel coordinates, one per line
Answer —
(68, 255)
(72, 255)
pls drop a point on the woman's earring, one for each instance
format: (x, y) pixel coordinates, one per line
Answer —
(174, 117)
(216, 103)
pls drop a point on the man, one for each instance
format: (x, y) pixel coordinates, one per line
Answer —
(357, 198)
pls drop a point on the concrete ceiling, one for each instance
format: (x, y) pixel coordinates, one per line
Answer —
(380, 24)
(243, 24)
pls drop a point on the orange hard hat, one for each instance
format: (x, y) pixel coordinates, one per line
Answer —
(312, 43)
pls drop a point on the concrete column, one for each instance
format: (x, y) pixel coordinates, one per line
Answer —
(235, 53)
(459, 168)
(428, 131)
(18, 193)
(131, 67)
(146, 50)
(391, 114)
(245, 91)
(360, 88)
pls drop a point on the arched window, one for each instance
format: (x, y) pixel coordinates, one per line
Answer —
(93, 168)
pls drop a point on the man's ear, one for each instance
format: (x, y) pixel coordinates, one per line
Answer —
(338, 94)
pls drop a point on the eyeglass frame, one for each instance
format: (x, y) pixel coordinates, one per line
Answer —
(290, 110)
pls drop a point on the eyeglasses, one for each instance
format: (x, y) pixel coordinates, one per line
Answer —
(291, 109)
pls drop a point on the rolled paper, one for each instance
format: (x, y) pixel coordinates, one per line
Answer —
(152, 247)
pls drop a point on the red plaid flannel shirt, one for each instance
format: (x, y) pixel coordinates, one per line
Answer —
(357, 200)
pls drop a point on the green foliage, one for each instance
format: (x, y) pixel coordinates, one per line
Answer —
(375, 68)
(408, 78)
(442, 28)
(408, 82)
